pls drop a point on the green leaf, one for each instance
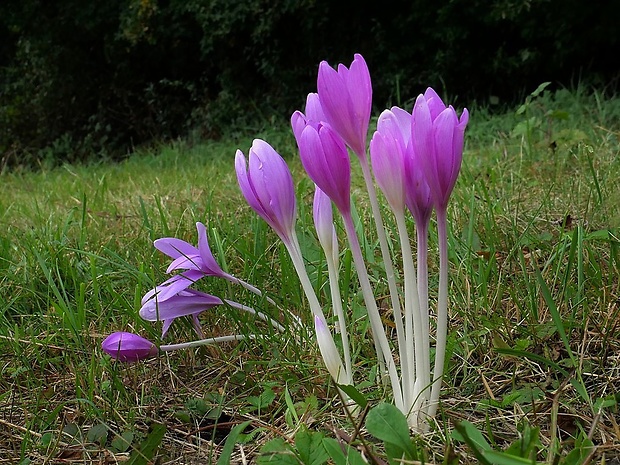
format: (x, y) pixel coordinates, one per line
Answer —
(310, 447)
(387, 423)
(277, 452)
(231, 440)
(354, 394)
(540, 89)
(123, 442)
(145, 452)
(98, 434)
(469, 434)
(350, 455)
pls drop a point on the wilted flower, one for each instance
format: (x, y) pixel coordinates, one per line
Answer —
(128, 347)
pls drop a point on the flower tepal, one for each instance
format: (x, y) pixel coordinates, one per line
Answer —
(267, 185)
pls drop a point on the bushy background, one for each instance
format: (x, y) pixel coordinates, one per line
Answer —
(98, 78)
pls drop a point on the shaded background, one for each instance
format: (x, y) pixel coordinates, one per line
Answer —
(96, 79)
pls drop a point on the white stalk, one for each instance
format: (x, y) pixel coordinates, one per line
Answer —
(413, 327)
(442, 310)
(259, 315)
(382, 347)
(204, 342)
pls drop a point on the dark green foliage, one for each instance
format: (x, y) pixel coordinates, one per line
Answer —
(100, 77)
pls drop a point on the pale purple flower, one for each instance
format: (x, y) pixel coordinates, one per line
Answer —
(187, 257)
(438, 135)
(387, 154)
(326, 160)
(324, 224)
(128, 347)
(267, 185)
(184, 303)
(346, 99)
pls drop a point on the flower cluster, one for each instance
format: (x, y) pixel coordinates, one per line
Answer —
(415, 158)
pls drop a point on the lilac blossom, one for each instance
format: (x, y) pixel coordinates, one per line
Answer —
(345, 95)
(267, 185)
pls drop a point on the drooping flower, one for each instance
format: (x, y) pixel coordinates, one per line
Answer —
(326, 160)
(438, 135)
(345, 95)
(186, 302)
(267, 185)
(187, 257)
(128, 347)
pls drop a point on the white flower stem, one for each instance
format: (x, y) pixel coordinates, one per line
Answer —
(442, 310)
(205, 342)
(259, 315)
(258, 292)
(385, 250)
(334, 288)
(422, 259)
(414, 329)
(382, 347)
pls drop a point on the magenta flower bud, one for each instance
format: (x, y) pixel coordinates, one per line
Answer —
(267, 185)
(326, 160)
(438, 136)
(346, 99)
(128, 347)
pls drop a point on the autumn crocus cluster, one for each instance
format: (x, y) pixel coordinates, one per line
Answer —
(415, 158)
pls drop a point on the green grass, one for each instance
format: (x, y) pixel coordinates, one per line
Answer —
(534, 331)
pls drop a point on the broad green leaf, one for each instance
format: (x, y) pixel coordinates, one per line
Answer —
(350, 455)
(123, 442)
(310, 448)
(354, 394)
(98, 434)
(277, 452)
(387, 423)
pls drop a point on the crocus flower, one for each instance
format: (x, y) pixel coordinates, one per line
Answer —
(187, 257)
(326, 160)
(128, 347)
(387, 155)
(267, 185)
(346, 99)
(187, 302)
(438, 136)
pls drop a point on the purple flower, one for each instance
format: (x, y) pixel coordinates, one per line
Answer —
(183, 303)
(267, 185)
(438, 135)
(346, 99)
(326, 160)
(128, 347)
(187, 257)
(388, 149)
